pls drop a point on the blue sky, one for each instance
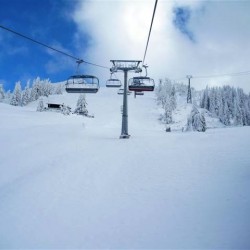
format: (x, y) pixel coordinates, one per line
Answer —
(47, 21)
(181, 20)
(199, 38)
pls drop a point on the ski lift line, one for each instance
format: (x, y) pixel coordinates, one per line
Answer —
(49, 47)
(152, 20)
(232, 74)
(243, 73)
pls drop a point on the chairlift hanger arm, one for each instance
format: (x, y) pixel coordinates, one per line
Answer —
(145, 66)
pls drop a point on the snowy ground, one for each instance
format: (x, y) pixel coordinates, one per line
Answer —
(69, 182)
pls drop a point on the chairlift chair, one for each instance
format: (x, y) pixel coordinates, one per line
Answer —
(141, 83)
(113, 83)
(82, 84)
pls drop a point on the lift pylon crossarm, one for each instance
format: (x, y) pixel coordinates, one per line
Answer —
(125, 65)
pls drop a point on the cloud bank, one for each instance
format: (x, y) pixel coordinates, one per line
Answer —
(199, 38)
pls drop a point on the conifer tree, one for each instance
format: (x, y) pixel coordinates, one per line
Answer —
(59, 89)
(212, 102)
(66, 110)
(230, 105)
(173, 98)
(237, 114)
(167, 117)
(36, 89)
(205, 99)
(226, 114)
(196, 121)
(81, 107)
(26, 95)
(16, 98)
(40, 106)
(2, 95)
(46, 88)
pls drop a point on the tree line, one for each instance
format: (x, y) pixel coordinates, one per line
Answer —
(166, 97)
(31, 92)
(231, 105)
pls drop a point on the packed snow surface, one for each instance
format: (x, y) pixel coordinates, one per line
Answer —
(70, 182)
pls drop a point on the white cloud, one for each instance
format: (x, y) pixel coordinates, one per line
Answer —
(119, 30)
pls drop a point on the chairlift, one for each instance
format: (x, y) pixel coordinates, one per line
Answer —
(82, 84)
(113, 83)
(141, 83)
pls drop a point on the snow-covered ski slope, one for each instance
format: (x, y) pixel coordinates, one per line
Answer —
(70, 182)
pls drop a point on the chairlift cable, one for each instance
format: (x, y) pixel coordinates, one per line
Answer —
(221, 75)
(152, 20)
(242, 73)
(49, 47)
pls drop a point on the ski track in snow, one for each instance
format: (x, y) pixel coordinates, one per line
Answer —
(70, 182)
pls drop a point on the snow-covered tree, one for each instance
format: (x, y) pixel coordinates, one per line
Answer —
(66, 110)
(226, 114)
(166, 97)
(2, 95)
(196, 121)
(40, 106)
(36, 89)
(59, 89)
(160, 92)
(219, 104)
(46, 88)
(8, 95)
(167, 116)
(199, 122)
(16, 98)
(212, 101)
(26, 95)
(205, 99)
(173, 101)
(237, 114)
(163, 92)
(81, 106)
(230, 105)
